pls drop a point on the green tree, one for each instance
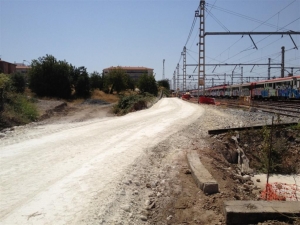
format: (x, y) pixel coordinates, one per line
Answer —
(96, 80)
(130, 84)
(164, 83)
(82, 84)
(117, 80)
(18, 82)
(147, 83)
(49, 77)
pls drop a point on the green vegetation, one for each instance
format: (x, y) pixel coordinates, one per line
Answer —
(295, 127)
(148, 84)
(15, 108)
(117, 80)
(164, 83)
(80, 81)
(55, 78)
(96, 81)
(132, 103)
(49, 77)
(273, 151)
(18, 82)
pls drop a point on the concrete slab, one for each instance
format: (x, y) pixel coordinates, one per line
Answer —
(253, 212)
(203, 178)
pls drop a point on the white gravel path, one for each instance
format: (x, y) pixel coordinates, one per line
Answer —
(52, 174)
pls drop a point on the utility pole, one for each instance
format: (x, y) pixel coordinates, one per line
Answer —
(201, 44)
(224, 78)
(174, 81)
(282, 61)
(163, 69)
(184, 68)
(242, 74)
(177, 68)
(269, 69)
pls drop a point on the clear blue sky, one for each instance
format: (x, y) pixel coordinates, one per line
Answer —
(103, 33)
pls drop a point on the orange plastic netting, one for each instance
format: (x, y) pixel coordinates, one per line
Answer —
(280, 192)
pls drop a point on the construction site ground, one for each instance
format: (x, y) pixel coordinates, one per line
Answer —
(158, 188)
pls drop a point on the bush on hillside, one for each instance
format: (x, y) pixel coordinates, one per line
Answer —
(17, 110)
(18, 82)
(132, 103)
(164, 83)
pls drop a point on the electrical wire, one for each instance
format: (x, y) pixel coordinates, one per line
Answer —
(191, 30)
(274, 15)
(218, 21)
(244, 16)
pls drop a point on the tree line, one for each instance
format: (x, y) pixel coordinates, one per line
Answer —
(55, 78)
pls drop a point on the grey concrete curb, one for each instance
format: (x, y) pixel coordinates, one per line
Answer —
(253, 212)
(203, 178)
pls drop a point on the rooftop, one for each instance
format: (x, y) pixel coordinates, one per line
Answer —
(128, 68)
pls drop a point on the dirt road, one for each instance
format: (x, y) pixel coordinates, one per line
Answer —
(55, 173)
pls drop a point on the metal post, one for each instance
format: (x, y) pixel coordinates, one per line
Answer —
(201, 44)
(232, 78)
(269, 69)
(174, 81)
(282, 61)
(224, 78)
(242, 74)
(163, 69)
(184, 68)
(177, 68)
(213, 81)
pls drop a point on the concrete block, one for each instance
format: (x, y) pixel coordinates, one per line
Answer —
(202, 177)
(253, 212)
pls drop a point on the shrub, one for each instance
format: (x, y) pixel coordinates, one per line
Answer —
(5, 82)
(18, 110)
(164, 83)
(18, 82)
(132, 103)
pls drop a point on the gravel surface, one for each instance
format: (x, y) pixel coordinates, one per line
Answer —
(80, 169)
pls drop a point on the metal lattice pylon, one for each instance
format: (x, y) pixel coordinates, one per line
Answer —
(184, 68)
(201, 63)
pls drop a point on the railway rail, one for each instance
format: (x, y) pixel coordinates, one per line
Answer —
(285, 108)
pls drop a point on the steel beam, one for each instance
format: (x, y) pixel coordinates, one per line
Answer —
(251, 33)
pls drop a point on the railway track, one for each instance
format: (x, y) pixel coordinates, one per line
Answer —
(285, 108)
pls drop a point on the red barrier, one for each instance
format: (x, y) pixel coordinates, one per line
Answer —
(186, 96)
(207, 100)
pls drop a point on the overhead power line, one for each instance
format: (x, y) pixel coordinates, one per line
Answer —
(218, 21)
(244, 16)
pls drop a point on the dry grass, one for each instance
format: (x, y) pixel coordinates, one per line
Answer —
(97, 94)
